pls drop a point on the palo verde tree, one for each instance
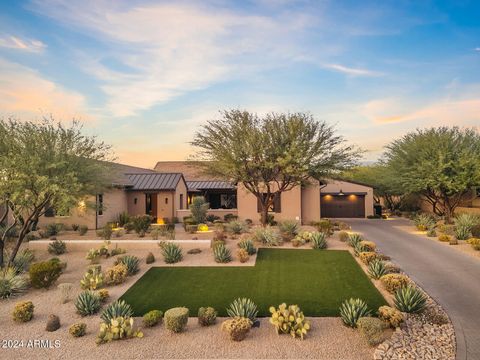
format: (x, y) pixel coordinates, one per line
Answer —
(45, 165)
(440, 164)
(271, 154)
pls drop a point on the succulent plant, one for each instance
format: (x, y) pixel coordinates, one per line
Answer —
(23, 311)
(87, 303)
(319, 240)
(57, 247)
(22, 261)
(150, 258)
(354, 239)
(289, 229)
(393, 282)
(236, 227)
(116, 274)
(78, 329)
(289, 320)
(237, 328)
(207, 316)
(117, 329)
(410, 299)
(172, 253)
(267, 236)
(53, 323)
(391, 316)
(353, 309)
(116, 309)
(367, 257)
(12, 283)
(92, 280)
(376, 269)
(222, 254)
(248, 245)
(131, 262)
(243, 307)
(152, 318)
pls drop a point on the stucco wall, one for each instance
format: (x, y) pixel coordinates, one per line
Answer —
(137, 208)
(346, 187)
(115, 202)
(218, 212)
(165, 204)
(181, 190)
(310, 203)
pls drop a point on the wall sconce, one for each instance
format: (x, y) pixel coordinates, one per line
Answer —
(341, 193)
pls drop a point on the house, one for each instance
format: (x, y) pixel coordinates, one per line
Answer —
(168, 189)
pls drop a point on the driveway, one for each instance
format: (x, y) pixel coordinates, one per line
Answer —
(452, 278)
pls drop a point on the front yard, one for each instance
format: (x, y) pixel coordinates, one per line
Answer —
(318, 280)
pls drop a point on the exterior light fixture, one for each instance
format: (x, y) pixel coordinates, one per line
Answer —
(341, 193)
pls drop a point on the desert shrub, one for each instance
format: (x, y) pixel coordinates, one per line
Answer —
(66, 291)
(410, 299)
(354, 239)
(371, 329)
(219, 235)
(248, 245)
(236, 227)
(87, 303)
(243, 307)
(289, 320)
(152, 318)
(131, 262)
(128, 227)
(343, 226)
(393, 282)
(324, 225)
(267, 236)
(23, 311)
(474, 243)
(423, 221)
(376, 269)
(78, 329)
(11, 283)
(319, 240)
(116, 309)
(343, 236)
(141, 224)
(229, 217)
(431, 232)
(44, 274)
(242, 255)
(390, 315)
(444, 238)
(118, 329)
(288, 229)
(453, 241)
(207, 316)
(93, 255)
(105, 232)
(176, 319)
(123, 218)
(116, 274)
(117, 251)
(172, 253)
(103, 294)
(22, 261)
(237, 328)
(353, 309)
(92, 280)
(53, 323)
(222, 254)
(270, 220)
(368, 245)
(53, 229)
(82, 230)
(367, 256)
(75, 227)
(212, 218)
(199, 208)
(118, 233)
(150, 258)
(57, 247)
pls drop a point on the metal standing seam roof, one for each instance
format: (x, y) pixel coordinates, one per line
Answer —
(209, 185)
(157, 181)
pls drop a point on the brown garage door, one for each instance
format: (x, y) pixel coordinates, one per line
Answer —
(342, 206)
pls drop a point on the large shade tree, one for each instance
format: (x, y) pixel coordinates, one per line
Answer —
(45, 165)
(440, 164)
(271, 154)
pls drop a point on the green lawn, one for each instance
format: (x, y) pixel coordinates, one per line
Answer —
(318, 281)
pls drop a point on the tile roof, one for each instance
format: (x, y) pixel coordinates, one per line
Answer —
(154, 181)
(209, 185)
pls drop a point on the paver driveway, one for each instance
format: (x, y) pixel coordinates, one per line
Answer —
(449, 276)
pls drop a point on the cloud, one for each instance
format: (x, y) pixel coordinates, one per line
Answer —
(14, 42)
(24, 92)
(477, 49)
(351, 71)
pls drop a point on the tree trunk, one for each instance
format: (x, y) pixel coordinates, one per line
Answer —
(2, 248)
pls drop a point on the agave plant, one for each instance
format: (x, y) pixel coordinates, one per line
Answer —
(87, 303)
(319, 240)
(57, 247)
(410, 299)
(359, 248)
(22, 261)
(172, 253)
(353, 309)
(11, 283)
(116, 309)
(236, 227)
(354, 239)
(247, 244)
(289, 229)
(221, 253)
(376, 269)
(423, 222)
(243, 307)
(131, 262)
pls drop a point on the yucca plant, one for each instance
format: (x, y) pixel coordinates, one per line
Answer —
(410, 299)
(267, 236)
(22, 261)
(131, 262)
(172, 253)
(466, 221)
(423, 222)
(116, 309)
(221, 253)
(319, 240)
(11, 283)
(289, 229)
(87, 303)
(462, 232)
(354, 239)
(57, 247)
(353, 309)
(376, 269)
(243, 307)
(248, 245)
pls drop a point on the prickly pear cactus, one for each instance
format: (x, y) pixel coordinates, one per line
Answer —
(289, 320)
(118, 328)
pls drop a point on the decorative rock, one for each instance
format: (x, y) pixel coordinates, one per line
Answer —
(53, 323)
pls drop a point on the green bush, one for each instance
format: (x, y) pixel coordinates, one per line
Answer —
(82, 230)
(207, 316)
(199, 208)
(267, 236)
(248, 245)
(150, 258)
(23, 311)
(319, 240)
(172, 253)
(116, 274)
(57, 247)
(176, 319)
(343, 236)
(152, 318)
(141, 224)
(372, 329)
(53, 229)
(131, 262)
(353, 309)
(78, 329)
(105, 232)
(325, 226)
(123, 218)
(221, 254)
(44, 274)
(11, 283)
(236, 227)
(116, 309)
(288, 229)
(376, 269)
(243, 307)
(87, 303)
(410, 299)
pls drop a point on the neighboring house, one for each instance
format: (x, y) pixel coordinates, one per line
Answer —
(469, 204)
(167, 191)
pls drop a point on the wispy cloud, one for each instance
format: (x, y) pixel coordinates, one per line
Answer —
(14, 42)
(477, 49)
(351, 70)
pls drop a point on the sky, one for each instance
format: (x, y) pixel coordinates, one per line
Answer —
(145, 75)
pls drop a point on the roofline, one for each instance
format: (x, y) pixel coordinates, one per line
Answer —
(353, 182)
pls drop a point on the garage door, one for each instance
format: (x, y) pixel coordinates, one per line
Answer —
(342, 206)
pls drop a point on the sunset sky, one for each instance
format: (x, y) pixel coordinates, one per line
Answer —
(144, 75)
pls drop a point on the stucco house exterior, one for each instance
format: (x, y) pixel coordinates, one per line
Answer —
(166, 192)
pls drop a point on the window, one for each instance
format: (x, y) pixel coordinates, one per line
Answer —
(135, 200)
(181, 201)
(148, 204)
(49, 211)
(100, 204)
(166, 201)
(276, 205)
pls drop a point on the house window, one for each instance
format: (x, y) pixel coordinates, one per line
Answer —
(49, 211)
(135, 200)
(166, 201)
(148, 204)
(181, 201)
(276, 206)
(100, 204)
